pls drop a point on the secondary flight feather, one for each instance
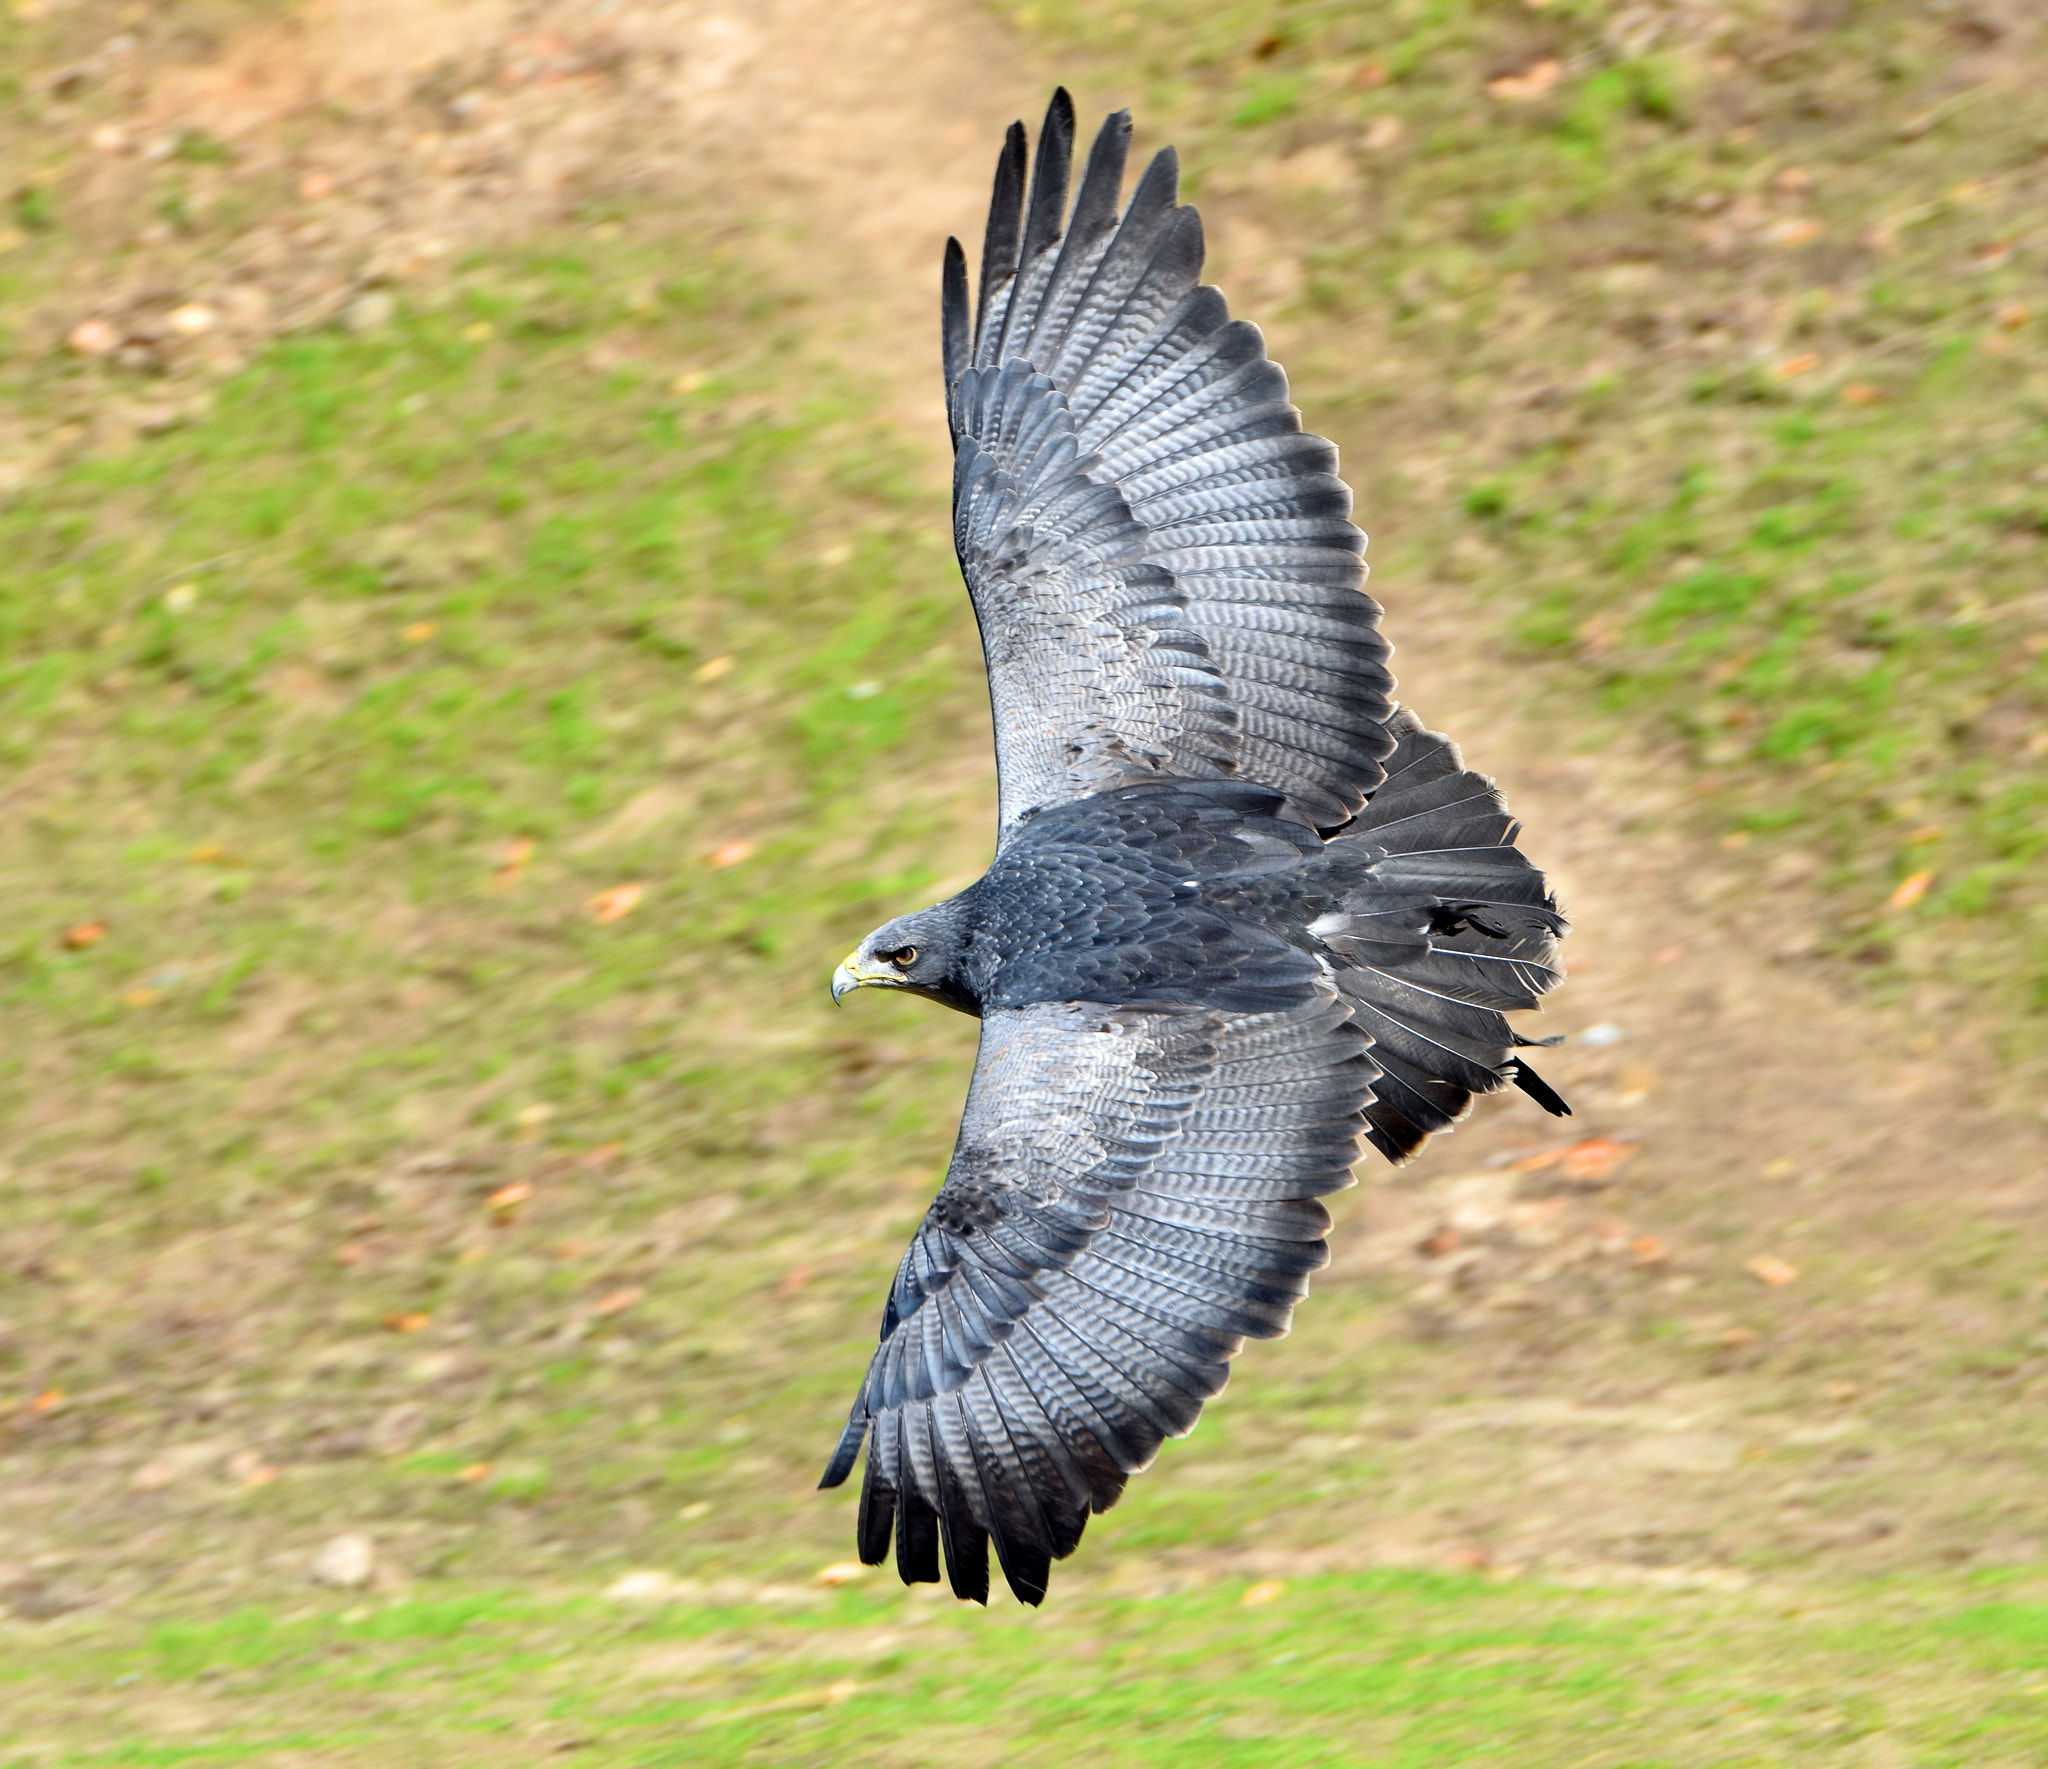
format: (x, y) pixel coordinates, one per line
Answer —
(1244, 909)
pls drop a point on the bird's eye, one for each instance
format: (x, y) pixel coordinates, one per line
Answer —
(904, 956)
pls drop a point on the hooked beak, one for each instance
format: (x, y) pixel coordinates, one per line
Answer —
(852, 975)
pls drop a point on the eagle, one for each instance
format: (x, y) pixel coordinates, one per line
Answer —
(1244, 909)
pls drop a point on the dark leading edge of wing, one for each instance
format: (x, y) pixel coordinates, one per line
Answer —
(1162, 562)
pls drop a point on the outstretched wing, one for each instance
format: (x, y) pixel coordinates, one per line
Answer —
(1133, 1195)
(1162, 563)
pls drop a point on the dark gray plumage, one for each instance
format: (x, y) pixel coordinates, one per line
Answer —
(1243, 909)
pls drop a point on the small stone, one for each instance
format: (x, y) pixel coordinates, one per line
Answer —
(94, 337)
(347, 1562)
(1606, 1033)
(647, 1586)
(370, 311)
(190, 320)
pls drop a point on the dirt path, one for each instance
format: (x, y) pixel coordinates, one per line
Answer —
(1762, 1112)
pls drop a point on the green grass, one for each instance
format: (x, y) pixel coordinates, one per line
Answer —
(1389, 1669)
(336, 711)
(357, 1177)
(1717, 368)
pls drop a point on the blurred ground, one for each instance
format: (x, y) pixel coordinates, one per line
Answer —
(508, 469)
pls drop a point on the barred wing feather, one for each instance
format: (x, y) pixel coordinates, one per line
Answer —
(1133, 1195)
(1162, 562)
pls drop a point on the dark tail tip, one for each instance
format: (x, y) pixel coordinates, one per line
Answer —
(1538, 1089)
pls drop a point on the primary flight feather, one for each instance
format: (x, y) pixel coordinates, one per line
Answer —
(1244, 910)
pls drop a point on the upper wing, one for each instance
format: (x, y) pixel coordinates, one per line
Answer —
(1162, 563)
(1133, 1195)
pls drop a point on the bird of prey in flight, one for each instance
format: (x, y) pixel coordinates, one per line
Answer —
(1244, 909)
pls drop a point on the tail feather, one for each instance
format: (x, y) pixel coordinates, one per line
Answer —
(1442, 928)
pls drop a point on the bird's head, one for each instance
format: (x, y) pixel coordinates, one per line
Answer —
(924, 954)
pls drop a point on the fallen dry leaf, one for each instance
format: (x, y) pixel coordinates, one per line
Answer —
(354, 1253)
(518, 852)
(475, 1472)
(1861, 393)
(1797, 232)
(141, 997)
(510, 1197)
(248, 1468)
(1435, 1246)
(1648, 1250)
(730, 854)
(711, 671)
(1911, 889)
(1793, 366)
(1265, 1591)
(206, 854)
(316, 185)
(1767, 1270)
(1593, 1158)
(1735, 1338)
(412, 1322)
(615, 904)
(1531, 82)
(47, 1402)
(618, 1301)
(86, 933)
(419, 632)
(2012, 316)
(841, 1572)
